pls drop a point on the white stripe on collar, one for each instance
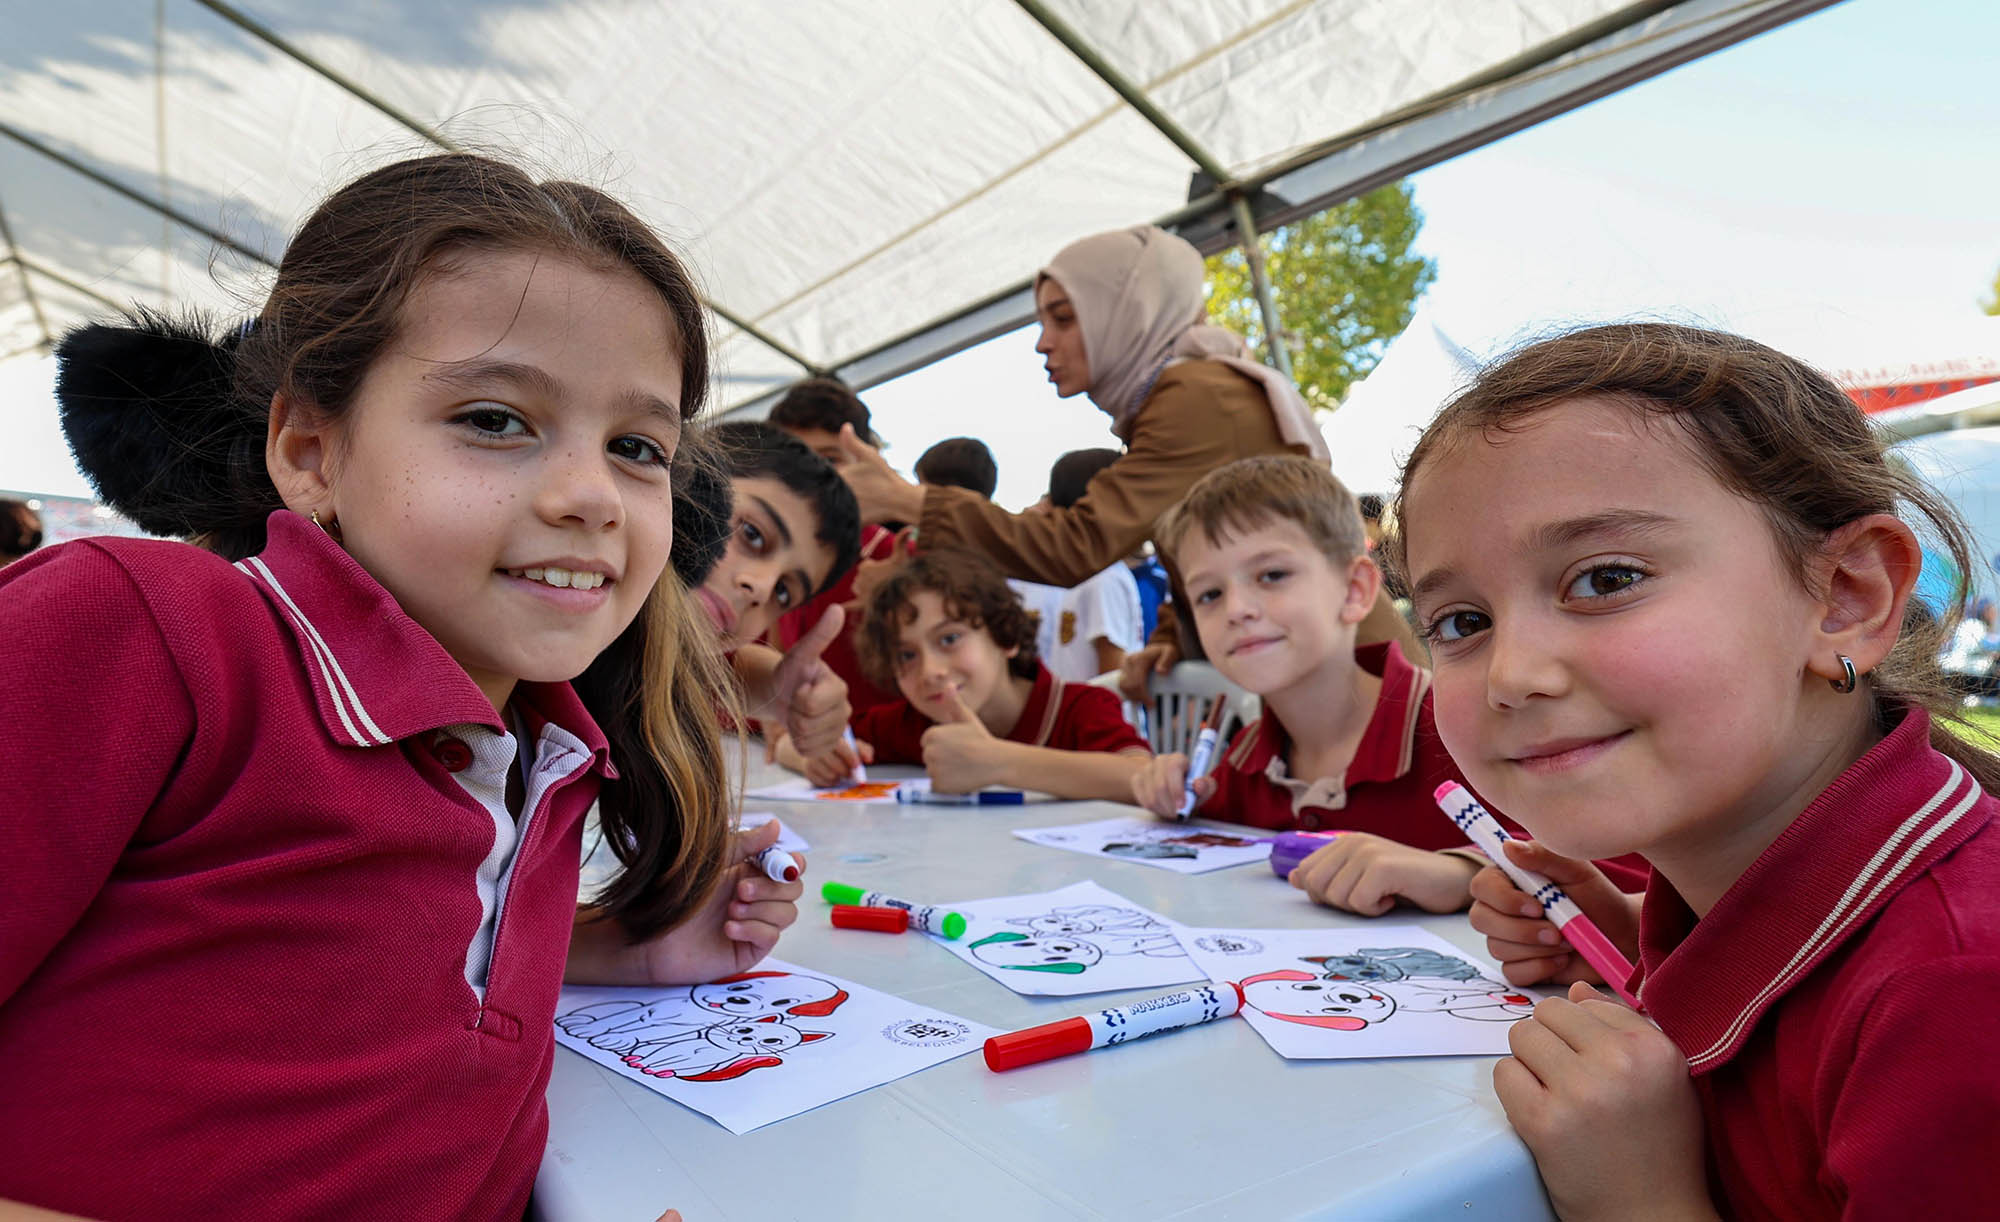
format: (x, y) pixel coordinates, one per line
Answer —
(1852, 903)
(330, 671)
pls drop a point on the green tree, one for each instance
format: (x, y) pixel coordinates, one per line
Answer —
(1346, 283)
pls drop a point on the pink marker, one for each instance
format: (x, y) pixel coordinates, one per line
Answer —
(1582, 932)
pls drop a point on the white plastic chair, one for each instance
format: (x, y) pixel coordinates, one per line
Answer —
(1178, 701)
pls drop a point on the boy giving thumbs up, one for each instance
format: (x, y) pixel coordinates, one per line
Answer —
(978, 708)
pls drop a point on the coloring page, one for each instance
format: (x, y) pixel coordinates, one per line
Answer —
(1081, 939)
(788, 840)
(759, 1046)
(801, 790)
(1179, 847)
(1384, 991)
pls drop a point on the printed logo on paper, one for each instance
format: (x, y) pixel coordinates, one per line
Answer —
(926, 1032)
(1228, 944)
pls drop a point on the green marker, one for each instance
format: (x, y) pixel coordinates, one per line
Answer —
(927, 917)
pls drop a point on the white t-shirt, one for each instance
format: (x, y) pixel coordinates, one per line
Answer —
(1105, 606)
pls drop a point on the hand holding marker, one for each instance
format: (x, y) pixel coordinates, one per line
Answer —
(928, 918)
(1204, 754)
(1582, 932)
(1169, 1012)
(778, 865)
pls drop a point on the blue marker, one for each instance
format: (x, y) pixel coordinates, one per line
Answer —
(979, 797)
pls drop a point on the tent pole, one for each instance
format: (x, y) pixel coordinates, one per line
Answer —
(1260, 280)
(27, 285)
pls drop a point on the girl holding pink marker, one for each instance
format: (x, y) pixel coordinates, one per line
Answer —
(1667, 575)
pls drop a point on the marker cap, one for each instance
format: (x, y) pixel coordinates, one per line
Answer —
(954, 925)
(840, 893)
(1043, 1043)
(881, 920)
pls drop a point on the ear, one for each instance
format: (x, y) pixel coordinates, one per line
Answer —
(298, 452)
(1364, 583)
(1866, 571)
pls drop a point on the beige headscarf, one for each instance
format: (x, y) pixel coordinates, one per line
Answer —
(1138, 297)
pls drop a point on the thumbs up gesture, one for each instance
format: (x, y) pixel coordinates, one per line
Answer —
(960, 753)
(810, 697)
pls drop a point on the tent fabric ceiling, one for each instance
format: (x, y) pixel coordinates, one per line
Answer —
(862, 186)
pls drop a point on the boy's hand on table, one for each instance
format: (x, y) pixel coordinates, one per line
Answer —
(1366, 874)
(1527, 945)
(1603, 1100)
(1162, 784)
(960, 753)
(738, 924)
(810, 697)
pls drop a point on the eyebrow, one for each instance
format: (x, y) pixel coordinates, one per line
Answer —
(1255, 560)
(473, 374)
(1564, 533)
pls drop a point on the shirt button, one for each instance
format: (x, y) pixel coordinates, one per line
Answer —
(453, 754)
(1308, 822)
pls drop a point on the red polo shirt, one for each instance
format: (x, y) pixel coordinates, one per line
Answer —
(1387, 787)
(1059, 714)
(239, 860)
(862, 694)
(1840, 1005)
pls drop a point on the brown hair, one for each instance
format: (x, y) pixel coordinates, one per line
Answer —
(1774, 431)
(1255, 492)
(972, 590)
(336, 305)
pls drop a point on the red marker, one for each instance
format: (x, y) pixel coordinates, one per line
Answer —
(881, 920)
(1168, 1012)
(778, 865)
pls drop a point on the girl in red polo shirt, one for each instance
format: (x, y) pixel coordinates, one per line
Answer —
(289, 846)
(978, 706)
(1667, 582)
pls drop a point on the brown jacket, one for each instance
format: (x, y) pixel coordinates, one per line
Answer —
(1200, 415)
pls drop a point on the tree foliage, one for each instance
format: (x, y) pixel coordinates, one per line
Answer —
(1346, 283)
(1992, 304)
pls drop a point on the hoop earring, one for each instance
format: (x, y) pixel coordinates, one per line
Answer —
(1845, 683)
(330, 527)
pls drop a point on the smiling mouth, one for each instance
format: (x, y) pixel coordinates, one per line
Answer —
(1252, 645)
(560, 578)
(1564, 754)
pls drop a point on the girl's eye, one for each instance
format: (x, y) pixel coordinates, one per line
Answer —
(1458, 625)
(1604, 580)
(641, 450)
(494, 421)
(784, 596)
(752, 537)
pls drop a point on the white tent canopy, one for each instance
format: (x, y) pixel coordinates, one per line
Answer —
(864, 187)
(1383, 415)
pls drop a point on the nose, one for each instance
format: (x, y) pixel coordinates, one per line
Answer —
(756, 581)
(1238, 605)
(581, 490)
(1522, 663)
(1043, 343)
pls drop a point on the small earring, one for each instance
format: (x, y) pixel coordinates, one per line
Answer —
(1845, 683)
(331, 527)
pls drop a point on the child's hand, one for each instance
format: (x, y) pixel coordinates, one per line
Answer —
(1161, 785)
(810, 697)
(824, 771)
(1604, 1101)
(1528, 946)
(960, 753)
(736, 927)
(1366, 874)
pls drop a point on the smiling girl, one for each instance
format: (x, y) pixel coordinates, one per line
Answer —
(1666, 576)
(290, 850)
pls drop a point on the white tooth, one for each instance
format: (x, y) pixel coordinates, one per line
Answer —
(532, 574)
(559, 578)
(590, 581)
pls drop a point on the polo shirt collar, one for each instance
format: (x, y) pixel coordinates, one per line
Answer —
(377, 676)
(1038, 715)
(1881, 825)
(1388, 745)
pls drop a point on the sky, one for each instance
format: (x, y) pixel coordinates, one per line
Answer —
(1828, 187)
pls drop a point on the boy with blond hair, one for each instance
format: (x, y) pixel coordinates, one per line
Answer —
(1278, 578)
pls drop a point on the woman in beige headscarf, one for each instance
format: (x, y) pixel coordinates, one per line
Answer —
(1123, 319)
